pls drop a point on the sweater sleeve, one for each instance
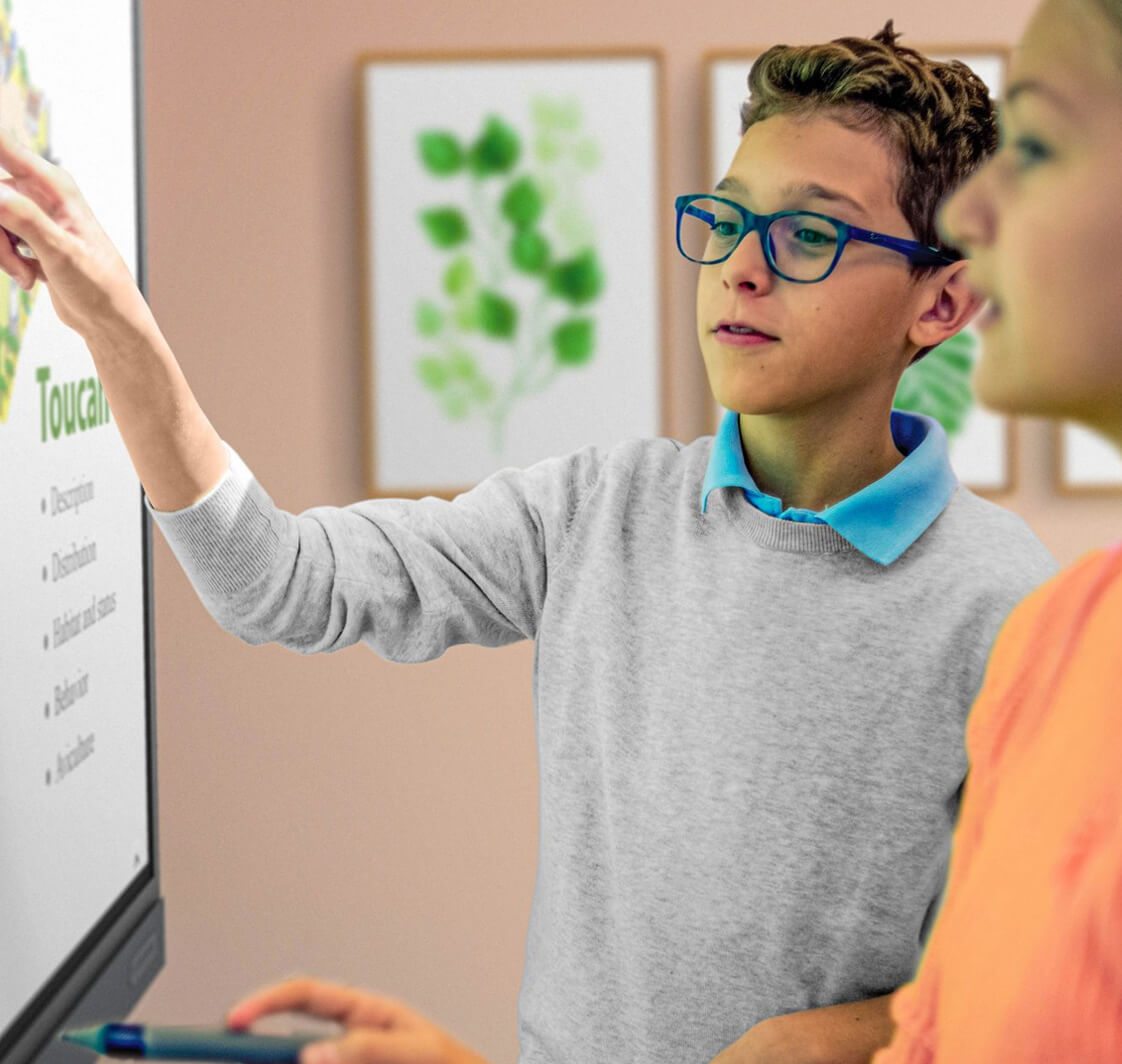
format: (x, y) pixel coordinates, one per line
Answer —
(408, 577)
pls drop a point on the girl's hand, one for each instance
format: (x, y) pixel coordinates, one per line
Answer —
(377, 1029)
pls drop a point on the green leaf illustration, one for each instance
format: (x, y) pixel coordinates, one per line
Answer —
(549, 187)
(574, 226)
(446, 226)
(441, 153)
(542, 110)
(459, 278)
(498, 316)
(462, 364)
(586, 154)
(574, 341)
(547, 148)
(579, 279)
(432, 373)
(560, 114)
(429, 318)
(939, 384)
(497, 149)
(482, 390)
(525, 224)
(529, 251)
(522, 203)
(456, 406)
(466, 316)
(456, 381)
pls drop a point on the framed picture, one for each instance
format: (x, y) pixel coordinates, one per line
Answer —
(513, 232)
(982, 444)
(1085, 463)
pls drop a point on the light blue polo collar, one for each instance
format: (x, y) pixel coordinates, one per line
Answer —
(883, 519)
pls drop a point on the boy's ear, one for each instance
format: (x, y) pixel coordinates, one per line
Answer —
(950, 306)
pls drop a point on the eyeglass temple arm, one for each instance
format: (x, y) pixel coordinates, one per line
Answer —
(920, 254)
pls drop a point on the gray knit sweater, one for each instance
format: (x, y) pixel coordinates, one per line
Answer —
(750, 735)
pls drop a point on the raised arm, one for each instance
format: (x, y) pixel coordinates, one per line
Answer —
(176, 452)
(409, 578)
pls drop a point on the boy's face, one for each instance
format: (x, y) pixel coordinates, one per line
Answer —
(1043, 226)
(841, 342)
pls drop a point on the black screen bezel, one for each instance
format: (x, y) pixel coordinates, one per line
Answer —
(37, 1023)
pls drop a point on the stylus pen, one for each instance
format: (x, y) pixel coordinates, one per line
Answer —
(190, 1043)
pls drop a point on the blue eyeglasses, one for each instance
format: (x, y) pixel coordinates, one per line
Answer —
(799, 246)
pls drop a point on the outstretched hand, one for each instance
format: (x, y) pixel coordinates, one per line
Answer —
(42, 207)
(377, 1029)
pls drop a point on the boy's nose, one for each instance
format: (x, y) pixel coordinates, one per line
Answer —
(747, 265)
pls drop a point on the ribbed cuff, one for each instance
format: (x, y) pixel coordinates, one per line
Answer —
(228, 538)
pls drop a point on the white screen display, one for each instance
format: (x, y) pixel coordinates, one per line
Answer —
(74, 825)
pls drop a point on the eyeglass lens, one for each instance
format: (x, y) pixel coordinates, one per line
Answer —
(802, 246)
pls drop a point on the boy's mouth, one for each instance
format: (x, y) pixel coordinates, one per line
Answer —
(741, 332)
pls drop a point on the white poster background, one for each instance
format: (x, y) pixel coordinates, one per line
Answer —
(1089, 460)
(980, 452)
(70, 846)
(613, 397)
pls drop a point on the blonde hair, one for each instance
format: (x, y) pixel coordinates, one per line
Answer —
(937, 118)
(1112, 11)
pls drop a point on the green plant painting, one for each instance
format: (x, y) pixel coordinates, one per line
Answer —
(519, 263)
(939, 383)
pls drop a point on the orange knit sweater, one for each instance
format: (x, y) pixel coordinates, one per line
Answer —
(1024, 964)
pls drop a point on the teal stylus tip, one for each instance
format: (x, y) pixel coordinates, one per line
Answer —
(89, 1037)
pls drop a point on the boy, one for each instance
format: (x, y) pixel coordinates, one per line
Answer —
(755, 652)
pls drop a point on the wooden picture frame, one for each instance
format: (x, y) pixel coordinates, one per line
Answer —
(512, 260)
(983, 450)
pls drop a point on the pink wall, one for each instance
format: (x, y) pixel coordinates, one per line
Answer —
(346, 817)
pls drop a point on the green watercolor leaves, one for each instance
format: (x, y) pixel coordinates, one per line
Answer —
(496, 150)
(441, 153)
(446, 226)
(579, 279)
(529, 251)
(428, 318)
(433, 372)
(574, 341)
(498, 316)
(522, 204)
(456, 381)
(459, 277)
(519, 268)
(556, 114)
(939, 384)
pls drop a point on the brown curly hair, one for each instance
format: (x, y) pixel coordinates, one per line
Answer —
(938, 118)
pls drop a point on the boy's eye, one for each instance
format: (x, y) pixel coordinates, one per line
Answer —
(812, 237)
(726, 230)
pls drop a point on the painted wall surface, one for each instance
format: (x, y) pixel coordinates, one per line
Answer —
(343, 816)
